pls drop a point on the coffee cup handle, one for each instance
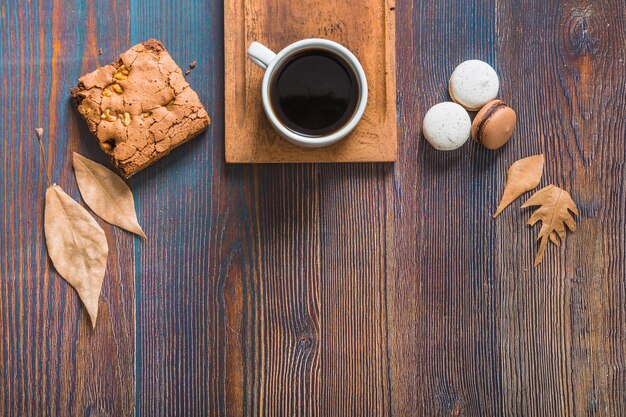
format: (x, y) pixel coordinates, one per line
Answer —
(260, 54)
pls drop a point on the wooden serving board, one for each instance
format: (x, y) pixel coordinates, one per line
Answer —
(366, 27)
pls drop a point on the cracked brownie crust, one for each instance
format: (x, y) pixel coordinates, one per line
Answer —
(140, 107)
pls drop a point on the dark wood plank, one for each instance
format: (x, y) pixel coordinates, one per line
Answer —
(284, 342)
(309, 320)
(354, 359)
(193, 214)
(580, 352)
(53, 363)
(475, 329)
(445, 351)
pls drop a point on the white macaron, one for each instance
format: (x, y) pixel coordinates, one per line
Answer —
(473, 84)
(447, 126)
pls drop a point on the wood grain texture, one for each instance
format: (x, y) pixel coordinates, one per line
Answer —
(366, 27)
(477, 330)
(53, 363)
(181, 270)
(315, 289)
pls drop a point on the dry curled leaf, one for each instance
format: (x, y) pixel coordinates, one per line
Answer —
(554, 214)
(523, 176)
(106, 194)
(77, 246)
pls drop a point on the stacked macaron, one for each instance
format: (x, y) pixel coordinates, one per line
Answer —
(474, 86)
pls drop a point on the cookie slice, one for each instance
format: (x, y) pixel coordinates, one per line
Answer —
(140, 107)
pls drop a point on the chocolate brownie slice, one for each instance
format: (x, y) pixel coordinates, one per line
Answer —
(140, 107)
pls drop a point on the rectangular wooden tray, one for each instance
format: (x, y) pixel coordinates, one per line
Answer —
(366, 27)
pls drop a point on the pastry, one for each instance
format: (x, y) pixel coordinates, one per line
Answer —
(473, 83)
(446, 126)
(140, 107)
(494, 124)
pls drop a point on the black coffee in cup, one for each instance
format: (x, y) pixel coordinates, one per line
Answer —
(314, 92)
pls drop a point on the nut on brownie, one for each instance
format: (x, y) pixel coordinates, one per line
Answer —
(140, 107)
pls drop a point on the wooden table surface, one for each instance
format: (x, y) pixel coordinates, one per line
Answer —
(326, 290)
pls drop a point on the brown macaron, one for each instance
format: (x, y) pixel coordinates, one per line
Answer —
(494, 124)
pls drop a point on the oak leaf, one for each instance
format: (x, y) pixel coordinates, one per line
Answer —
(106, 194)
(523, 176)
(77, 246)
(554, 215)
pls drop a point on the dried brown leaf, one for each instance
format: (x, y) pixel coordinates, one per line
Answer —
(554, 215)
(77, 246)
(106, 194)
(523, 176)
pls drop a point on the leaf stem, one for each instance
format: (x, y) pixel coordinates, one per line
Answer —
(39, 132)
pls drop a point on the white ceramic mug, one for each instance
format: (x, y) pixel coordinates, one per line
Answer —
(270, 61)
